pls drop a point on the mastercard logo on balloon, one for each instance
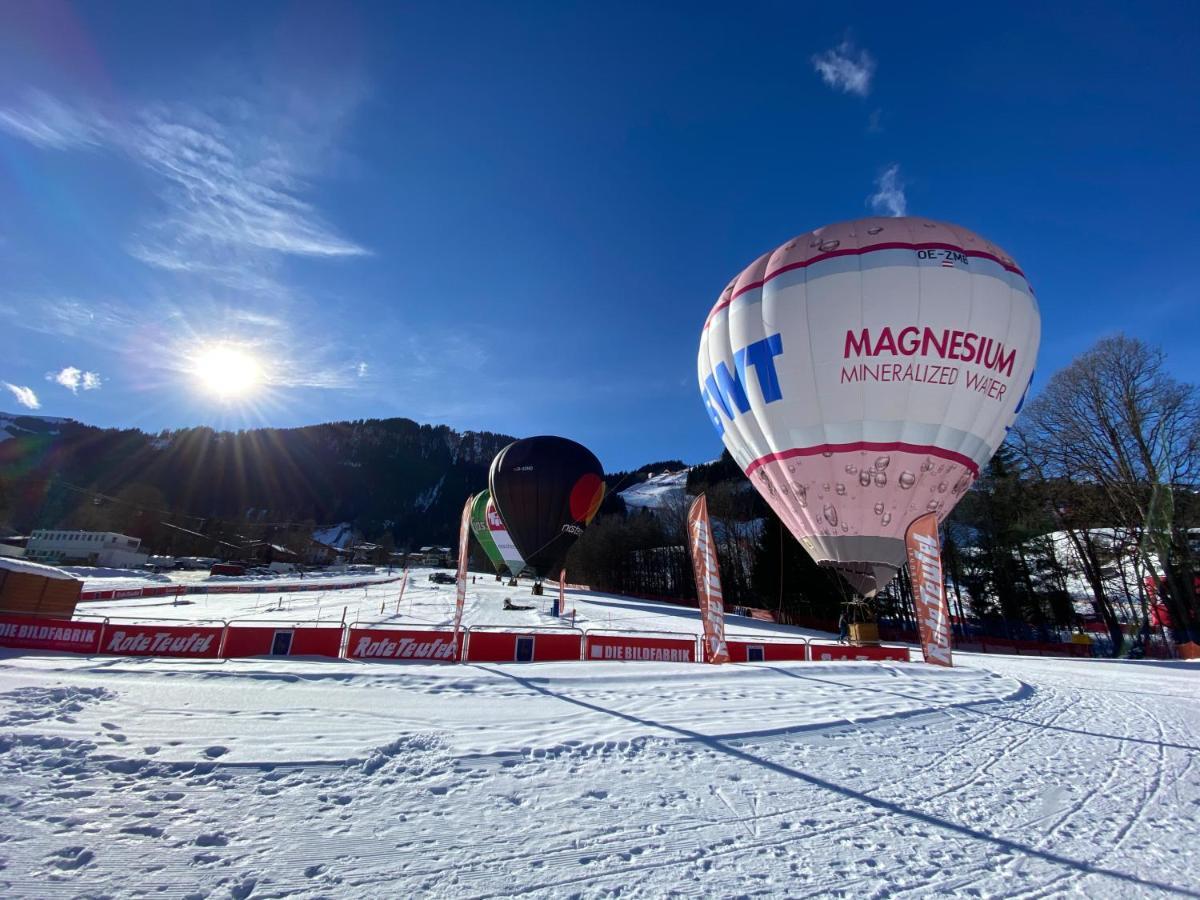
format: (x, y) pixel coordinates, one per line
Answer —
(586, 496)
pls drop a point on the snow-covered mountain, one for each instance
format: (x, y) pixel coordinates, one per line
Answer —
(658, 492)
(14, 424)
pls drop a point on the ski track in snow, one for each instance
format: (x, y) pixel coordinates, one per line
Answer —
(1006, 777)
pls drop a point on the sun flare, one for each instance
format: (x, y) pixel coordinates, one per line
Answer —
(227, 371)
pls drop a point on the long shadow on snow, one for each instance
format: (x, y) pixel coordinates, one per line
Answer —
(1079, 865)
(979, 712)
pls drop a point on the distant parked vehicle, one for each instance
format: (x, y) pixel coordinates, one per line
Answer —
(442, 578)
(195, 562)
(227, 569)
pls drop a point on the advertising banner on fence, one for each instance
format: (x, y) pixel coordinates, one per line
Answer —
(929, 589)
(49, 634)
(708, 582)
(464, 550)
(200, 641)
(389, 643)
(635, 648)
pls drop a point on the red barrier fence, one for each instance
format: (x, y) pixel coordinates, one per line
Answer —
(528, 646)
(71, 636)
(830, 652)
(633, 647)
(403, 644)
(369, 641)
(281, 640)
(766, 651)
(191, 641)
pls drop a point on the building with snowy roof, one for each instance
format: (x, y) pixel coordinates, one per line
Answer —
(29, 587)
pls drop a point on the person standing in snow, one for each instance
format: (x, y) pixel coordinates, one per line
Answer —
(843, 628)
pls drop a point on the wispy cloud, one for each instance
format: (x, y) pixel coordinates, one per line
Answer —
(362, 369)
(69, 317)
(846, 68)
(45, 121)
(889, 199)
(25, 395)
(74, 379)
(229, 185)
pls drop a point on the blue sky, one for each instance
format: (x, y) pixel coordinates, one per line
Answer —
(516, 216)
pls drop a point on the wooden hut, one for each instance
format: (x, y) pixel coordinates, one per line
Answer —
(29, 587)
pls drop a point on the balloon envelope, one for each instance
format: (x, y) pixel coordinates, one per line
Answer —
(479, 527)
(546, 489)
(862, 374)
(504, 542)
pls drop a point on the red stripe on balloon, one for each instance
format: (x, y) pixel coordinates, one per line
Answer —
(930, 450)
(859, 251)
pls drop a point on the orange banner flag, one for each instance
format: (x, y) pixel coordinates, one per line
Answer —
(929, 589)
(708, 582)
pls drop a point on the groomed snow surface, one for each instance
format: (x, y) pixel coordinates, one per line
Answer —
(1005, 776)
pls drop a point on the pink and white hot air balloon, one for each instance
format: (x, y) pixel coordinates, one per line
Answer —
(862, 374)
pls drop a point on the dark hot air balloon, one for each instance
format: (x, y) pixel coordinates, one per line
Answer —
(546, 489)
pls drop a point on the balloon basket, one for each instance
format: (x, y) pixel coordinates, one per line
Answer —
(864, 633)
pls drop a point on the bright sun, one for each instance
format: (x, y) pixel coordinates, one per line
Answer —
(227, 371)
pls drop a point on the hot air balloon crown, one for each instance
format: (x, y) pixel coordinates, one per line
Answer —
(547, 489)
(863, 373)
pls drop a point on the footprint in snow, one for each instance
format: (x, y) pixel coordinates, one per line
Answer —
(71, 858)
(243, 889)
(143, 830)
(212, 839)
(215, 751)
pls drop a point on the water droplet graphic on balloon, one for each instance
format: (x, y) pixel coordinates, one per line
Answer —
(840, 489)
(942, 487)
(882, 463)
(829, 245)
(850, 470)
(845, 527)
(830, 514)
(827, 454)
(825, 486)
(927, 465)
(875, 229)
(881, 479)
(934, 505)
(886, 520)
(864, 478)
(879, 508)
(962, 484)
(801, 493)
(907, 480)
(791, 467)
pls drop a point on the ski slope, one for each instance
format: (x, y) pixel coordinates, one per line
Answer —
(426, 603)
(1006, 776)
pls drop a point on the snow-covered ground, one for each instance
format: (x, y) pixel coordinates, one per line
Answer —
(1006, 776)
(426, 603)
(101, 579)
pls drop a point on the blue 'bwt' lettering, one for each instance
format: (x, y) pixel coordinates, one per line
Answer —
(725, 392)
